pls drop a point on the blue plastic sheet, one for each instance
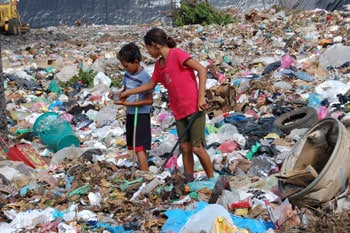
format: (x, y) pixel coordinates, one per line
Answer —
(112, 229)
(197, 185)
(177, 219)
(55, 104)
(300, 75)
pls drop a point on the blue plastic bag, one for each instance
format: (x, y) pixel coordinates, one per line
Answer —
(177, 219)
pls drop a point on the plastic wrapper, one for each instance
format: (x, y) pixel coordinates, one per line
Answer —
(262, 166)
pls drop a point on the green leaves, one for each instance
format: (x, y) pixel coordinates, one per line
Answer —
(84, 77)
(199, 13)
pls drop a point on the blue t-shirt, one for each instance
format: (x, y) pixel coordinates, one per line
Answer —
(131, 81)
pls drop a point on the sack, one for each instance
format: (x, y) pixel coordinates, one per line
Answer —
(25, 153)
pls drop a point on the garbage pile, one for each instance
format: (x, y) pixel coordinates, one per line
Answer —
(277, 130)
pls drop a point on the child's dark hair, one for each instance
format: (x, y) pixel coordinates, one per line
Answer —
(129, 53)
(158, 36)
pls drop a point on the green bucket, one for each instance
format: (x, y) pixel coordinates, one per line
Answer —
(55, 131)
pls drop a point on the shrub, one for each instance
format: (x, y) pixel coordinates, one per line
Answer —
(84, 77)
(194, 12)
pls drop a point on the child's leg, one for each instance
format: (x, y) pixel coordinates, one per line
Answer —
(186, 148)
(204, 158)
(142, 158)
(193, 143)
(143, 140)
(197, 132)
(187, 157)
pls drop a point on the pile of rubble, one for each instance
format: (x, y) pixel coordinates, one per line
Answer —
(273, 78)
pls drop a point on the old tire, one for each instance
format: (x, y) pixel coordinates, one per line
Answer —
(13, 27)
(303, 117)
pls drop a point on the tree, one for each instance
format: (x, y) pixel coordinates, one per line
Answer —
(3, 120)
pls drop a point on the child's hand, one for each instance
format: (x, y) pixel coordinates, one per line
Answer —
(123, 94)
(118, 102)
(202, 104)
(113, 95)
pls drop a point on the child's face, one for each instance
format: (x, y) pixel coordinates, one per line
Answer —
(131, 67)
(153, 50)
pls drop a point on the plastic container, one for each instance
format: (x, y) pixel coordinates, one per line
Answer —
(25, 153)
(54, 131)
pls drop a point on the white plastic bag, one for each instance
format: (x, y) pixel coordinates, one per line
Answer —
(203, 220)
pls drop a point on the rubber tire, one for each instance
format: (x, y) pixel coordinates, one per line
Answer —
(19, 29)
(299, 118)
(13, 27)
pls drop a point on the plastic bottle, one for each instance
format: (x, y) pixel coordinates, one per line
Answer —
(206, 50)
(148, 188)
(158, 161)
(115, 92)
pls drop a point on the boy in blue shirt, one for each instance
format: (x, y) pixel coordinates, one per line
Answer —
(135, 76)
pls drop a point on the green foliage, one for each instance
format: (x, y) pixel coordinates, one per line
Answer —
(199, 13)
(116, 83)
(278, 8)
(116, 79)
(85, 77)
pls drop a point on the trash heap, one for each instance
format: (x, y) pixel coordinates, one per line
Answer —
(277, 130)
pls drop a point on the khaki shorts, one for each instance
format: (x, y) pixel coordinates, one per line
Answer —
(196, 133)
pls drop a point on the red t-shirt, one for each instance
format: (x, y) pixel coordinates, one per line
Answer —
(180, 81)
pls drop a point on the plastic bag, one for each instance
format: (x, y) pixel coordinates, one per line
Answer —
(177, 218)
(222, 225)
(54, 87)
(226, 131)
(204, 220)
(286, 61)
(101, 78)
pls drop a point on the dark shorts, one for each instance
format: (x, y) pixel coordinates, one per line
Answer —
(143, 132)
(196, 133)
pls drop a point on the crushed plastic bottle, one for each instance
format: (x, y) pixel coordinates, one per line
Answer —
(147, 188)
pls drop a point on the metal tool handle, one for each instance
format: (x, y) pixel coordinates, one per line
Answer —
(180, 138)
